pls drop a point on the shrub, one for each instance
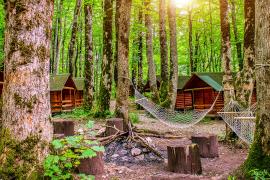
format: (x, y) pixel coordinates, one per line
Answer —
(259, 174)
(134, 118)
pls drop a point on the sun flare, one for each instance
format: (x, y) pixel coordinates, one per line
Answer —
(182, 3)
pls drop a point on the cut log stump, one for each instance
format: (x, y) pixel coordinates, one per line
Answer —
(208, 145)
(65, 127)
(92, 166)
(184, 159)
(113, 125)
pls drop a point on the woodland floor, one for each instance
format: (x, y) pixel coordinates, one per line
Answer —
(230, 157)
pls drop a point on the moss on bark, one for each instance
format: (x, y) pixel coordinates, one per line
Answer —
(18, 159)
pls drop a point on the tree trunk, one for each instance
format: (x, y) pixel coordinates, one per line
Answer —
(235, 31)
(71, 48)
(89, 60)
(163, 51)
(123, 65)
(149, 50)
(259, 154)
(226, 51)
(245, 79)
(173, 55)
(140, 53)
(196, 52)
(211, 35)
(117, 6)
(26, 111)
(63, 46)
(226, 58)
(190, 41)
(107, 60)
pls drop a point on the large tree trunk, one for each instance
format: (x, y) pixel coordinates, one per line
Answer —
(163, 51)
(149, 50)
(196, 52)
(123, 65)
(89, 61)
(211, 59)
(71, 48)
(117, 6)
(26, 107)
(245, 79)
(190, 41)
(228, 85)
(226, 51)
(259, 155)
(173, 55)
(140, 53)
(236, 38)
(107, 60)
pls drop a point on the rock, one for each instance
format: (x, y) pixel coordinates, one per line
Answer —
(123, 152)
(140, 157)
(115, 156)
(136, 151)
(124, 159)
(145, 150)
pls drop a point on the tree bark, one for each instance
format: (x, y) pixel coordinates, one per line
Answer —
(89, 60)
(26, 108)
(196, 52)
(259, 155)
(228, 86)
(140, 53)
(149, 50)
(235, 31)
(173, 55)
(163, 51)
(211, 35)
(107, 60)
(117, 6)
(190, 40)
(123, 65)
(71, 48)
(245, 79)
(226, 51)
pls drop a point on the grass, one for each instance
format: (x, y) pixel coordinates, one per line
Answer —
(134, 118)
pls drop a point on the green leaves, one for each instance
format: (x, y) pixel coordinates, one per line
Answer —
(67, 155)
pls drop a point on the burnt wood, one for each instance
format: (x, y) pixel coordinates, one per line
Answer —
(111, 123)
(65, 127)
(92, 166)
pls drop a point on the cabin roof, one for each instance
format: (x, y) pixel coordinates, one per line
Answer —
(214, 80)
(57, 82)
(79, 83)
(182, 80)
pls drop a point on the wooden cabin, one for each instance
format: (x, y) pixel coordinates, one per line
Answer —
(204, 89)
(62, 93)
(1, 82)
(183, 98)
(79, 83)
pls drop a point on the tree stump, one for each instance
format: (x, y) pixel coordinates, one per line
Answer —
(92, 166)
(65, 127)
(112, 126)
(184, 159)
(208, 145)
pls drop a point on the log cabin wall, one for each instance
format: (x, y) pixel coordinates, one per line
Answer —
(79, 98)
(56, 101)
(183, 100)
(79, 83)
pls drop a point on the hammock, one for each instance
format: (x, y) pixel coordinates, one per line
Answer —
(171, 118)
(240, 120)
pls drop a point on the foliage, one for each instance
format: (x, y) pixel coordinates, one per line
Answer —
(231, 178)
(134, 118)
(259, 174)
(67, 154)
(77, 113)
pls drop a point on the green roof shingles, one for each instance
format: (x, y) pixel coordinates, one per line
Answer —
(79, 83)
(57, 82)
(182, 80)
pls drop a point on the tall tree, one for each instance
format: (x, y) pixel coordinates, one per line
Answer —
(163, 50)
(226, 57)
(245, 79)
(173, 54)
(190, 40)
(72, 43)
(149, 51)
(26, 126)
(140, 52)
(107, 60)
(236, 38)
(116, 17)
(259, 154)
(123, 64)
(89, 61)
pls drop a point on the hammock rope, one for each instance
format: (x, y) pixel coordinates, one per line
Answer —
(240, 120)
(171, 118)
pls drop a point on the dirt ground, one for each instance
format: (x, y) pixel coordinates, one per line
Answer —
(230, 158)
